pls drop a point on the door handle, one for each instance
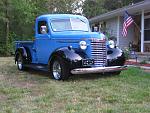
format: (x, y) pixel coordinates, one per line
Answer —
(34, 49)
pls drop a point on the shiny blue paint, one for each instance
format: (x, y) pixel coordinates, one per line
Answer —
(45, 44)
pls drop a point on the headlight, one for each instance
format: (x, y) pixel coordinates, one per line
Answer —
(102, 36)
(111, 44)
(83, 45)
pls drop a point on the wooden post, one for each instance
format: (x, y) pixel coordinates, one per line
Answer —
(137, 27)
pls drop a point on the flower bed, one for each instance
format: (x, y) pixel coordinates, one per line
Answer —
(128, 62)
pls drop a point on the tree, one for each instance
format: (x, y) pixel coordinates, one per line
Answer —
(16, 17)
(63, 6)
(24, 14)
(92, 8)
(41, 7)
(114, 4)
(5, 8)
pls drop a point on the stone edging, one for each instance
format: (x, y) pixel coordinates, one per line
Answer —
(142, 67)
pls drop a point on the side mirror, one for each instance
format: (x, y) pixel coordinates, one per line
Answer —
(43, 29)
(95, 29)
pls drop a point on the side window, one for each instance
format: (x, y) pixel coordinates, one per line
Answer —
(42, 27)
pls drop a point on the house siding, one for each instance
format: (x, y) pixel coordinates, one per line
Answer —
(134, 34)
(111, 26)
(112, 29)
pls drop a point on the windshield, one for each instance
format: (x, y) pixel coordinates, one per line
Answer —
(71, 24)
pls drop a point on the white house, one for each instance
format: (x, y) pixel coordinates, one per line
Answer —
(138, 34)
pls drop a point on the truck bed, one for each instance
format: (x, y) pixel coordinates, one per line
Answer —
(18, 42)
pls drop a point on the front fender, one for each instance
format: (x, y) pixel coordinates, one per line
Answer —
(115, 57)
(72, 57)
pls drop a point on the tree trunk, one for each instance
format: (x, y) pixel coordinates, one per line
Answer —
(7, 24)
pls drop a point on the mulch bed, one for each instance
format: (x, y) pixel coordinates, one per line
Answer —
(136, 63)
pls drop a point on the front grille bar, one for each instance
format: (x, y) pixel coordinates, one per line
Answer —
(98, 52)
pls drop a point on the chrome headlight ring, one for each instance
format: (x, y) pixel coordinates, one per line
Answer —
(83, 45)
(102, 36)
(111, 44)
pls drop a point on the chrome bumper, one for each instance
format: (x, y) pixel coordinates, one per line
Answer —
(98, 70)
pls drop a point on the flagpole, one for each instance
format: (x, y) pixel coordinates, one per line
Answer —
(137, 26)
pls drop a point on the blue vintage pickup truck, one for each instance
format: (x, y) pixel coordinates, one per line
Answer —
(65, 45)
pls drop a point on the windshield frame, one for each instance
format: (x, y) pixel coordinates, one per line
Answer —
(70, 19)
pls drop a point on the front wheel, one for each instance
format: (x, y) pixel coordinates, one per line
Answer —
(59, 69)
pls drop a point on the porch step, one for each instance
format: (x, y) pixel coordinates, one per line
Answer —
(143, 57)
(143, 54)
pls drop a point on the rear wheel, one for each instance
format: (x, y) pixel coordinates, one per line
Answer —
(20, 62)
(59, 69)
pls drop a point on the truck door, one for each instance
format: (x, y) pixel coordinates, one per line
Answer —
(42, 42)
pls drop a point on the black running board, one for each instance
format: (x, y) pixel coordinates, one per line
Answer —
(37, 67)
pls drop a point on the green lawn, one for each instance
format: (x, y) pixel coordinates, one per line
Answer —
(35, 92)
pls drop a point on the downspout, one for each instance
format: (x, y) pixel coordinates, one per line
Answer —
(118, 30)
(142, 32)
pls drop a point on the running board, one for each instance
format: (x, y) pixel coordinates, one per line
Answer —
(37, 67)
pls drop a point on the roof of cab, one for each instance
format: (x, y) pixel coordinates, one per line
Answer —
(53, 16)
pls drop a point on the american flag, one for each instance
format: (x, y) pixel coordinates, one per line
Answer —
(127, 22)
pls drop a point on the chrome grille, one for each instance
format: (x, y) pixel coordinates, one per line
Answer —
(98, 52)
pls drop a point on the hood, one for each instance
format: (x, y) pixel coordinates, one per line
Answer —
(74, 35)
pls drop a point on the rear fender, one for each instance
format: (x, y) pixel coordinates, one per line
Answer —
(25, 52)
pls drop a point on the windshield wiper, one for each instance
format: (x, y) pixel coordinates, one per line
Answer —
(81, 20)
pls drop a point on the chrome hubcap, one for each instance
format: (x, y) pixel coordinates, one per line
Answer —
(56, 70)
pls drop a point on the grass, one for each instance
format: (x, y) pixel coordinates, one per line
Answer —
(34, 92)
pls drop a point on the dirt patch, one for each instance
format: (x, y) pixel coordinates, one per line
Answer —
(3, 97)
(23, 84)
(2, 77)
(12, 81)
(147, 70)
(58, 106)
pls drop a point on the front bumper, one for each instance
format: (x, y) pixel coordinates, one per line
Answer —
(98, 69)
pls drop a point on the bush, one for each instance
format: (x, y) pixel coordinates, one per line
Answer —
(9, 49)
(126, 52)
